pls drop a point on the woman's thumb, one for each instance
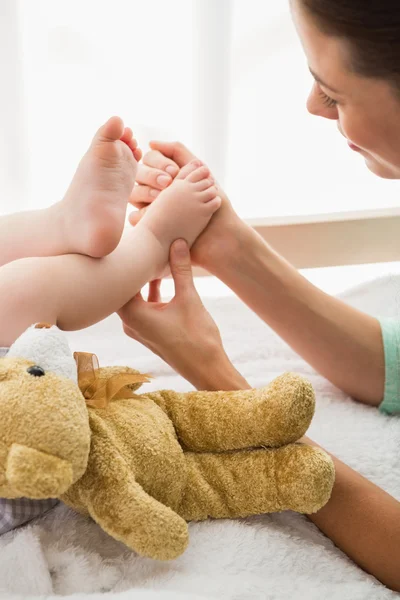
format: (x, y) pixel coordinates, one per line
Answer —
(181, 268)
(136, 216)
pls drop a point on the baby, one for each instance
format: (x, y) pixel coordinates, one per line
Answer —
(71, 266)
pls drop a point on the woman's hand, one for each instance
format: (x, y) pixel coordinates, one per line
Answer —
(160, 166)
(182, 332)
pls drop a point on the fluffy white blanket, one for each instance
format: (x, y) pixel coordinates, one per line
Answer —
(270, 557)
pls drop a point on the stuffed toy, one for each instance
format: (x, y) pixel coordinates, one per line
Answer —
(143, 465)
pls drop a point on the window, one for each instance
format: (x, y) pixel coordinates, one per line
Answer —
(79, 63)
(281, 160)
(226, 77)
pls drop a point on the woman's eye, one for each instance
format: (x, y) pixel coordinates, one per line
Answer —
(327, 100)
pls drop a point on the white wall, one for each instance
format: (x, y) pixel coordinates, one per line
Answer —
(84, 61)
(157, 64)
(281, 159)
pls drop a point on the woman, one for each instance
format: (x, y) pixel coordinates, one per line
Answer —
(353, 51)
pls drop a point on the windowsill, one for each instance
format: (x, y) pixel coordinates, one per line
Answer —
(332, 280)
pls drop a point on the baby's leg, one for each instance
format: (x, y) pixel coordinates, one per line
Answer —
(75, 291)
(90, 218)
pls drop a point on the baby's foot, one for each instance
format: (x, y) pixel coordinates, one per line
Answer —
(94, 207)
(185, 208)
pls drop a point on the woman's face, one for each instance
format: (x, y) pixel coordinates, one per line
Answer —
(367, 111)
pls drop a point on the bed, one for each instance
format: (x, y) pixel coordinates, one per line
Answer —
(270, 557)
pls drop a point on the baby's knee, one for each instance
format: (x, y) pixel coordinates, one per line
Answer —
(23, 285)
(21, 279)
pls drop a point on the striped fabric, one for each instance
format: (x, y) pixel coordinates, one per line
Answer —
(14, 513)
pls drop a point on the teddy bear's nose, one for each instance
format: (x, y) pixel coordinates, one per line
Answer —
(36, 371)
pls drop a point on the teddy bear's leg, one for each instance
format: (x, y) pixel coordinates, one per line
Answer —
(219, 421)
(239, 484)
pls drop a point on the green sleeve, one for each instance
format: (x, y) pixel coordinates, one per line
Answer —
(391, 343)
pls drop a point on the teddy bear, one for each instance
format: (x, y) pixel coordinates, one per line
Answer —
(144, 465)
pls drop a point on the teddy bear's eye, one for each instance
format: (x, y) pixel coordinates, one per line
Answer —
(36, 371)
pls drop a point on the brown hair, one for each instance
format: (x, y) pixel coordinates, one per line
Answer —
(370, 27)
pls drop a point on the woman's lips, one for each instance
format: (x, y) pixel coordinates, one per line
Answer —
(353, 146)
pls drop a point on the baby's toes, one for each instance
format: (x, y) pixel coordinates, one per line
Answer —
(127, 136)
(110, 131)
(209, 194)
(189, 168)
(199, 174)
(131, 142)
(137, 153)
(213, 205)
(204, 184)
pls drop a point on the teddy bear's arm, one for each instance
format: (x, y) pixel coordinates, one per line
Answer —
(119, 504)
(133, 517)
(221, 421)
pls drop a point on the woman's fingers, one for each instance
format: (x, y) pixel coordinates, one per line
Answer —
(160, 166)
(181, 269)
(136, 215)
(142, 195)
(156, 160)
(154, 291)
(175, 151)
(154, 177)
(129, 309)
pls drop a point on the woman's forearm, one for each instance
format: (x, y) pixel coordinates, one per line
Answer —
(364, 522)
(339, 341)
(360, 518)
(214, 373)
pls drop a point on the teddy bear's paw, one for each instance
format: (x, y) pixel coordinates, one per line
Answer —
(37, 475)
(162, 544)
(289, 407)
(305, 476)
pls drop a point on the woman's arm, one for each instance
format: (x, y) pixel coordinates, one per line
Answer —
(360, 518)
(364, 522)
(340, 342)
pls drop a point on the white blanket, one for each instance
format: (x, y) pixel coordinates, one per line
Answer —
(269, 557)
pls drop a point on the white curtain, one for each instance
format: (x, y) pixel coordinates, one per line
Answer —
(226, 77)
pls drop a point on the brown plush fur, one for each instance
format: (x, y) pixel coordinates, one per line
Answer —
(160, 459)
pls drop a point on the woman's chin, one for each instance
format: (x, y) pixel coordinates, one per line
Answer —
(384, 171)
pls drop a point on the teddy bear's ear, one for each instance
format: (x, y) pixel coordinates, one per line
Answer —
(34, 474)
